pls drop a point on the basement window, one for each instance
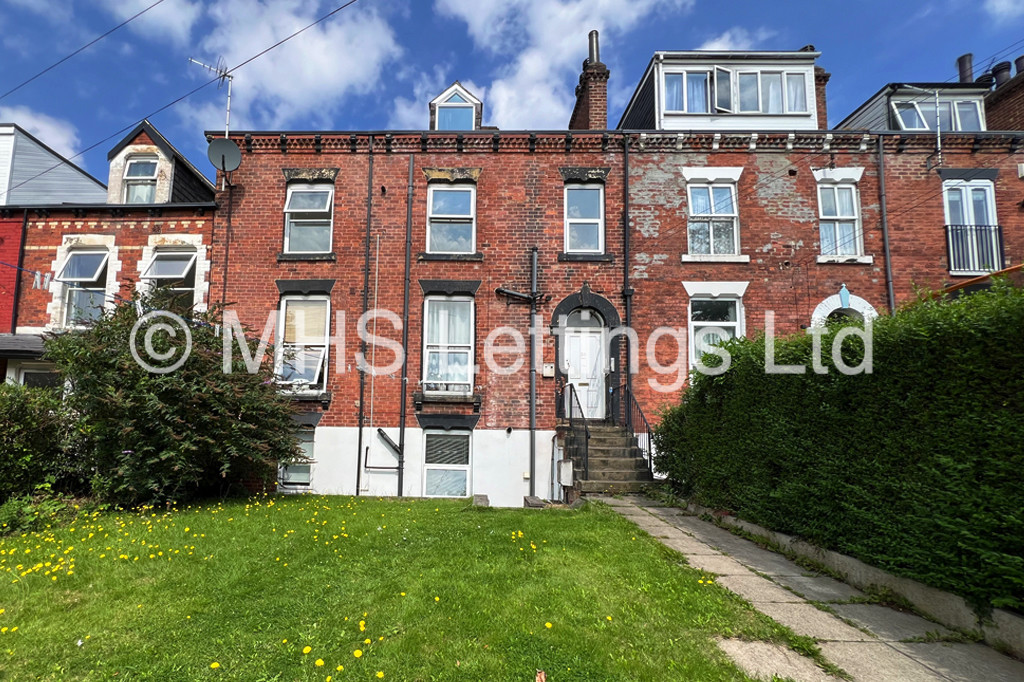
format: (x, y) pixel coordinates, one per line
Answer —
(299, 474)
(446, 464)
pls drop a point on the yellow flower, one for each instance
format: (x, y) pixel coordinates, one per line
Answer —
(403, 594)
(215, 665)
(380, 673)
(319, 663)
(437, 599)
(307, 649)
(328, 678)
(357, 653)
(366, 641)
(608, 617)
(547, 625)
(340, 668)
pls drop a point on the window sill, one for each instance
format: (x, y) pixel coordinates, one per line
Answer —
(420, 397)
(298, 257)
(864, 260)
(316, 396)
(571, 257)
(469, 257)
(970, 273)
(710, 258)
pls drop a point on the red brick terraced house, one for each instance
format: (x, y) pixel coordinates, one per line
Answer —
(721, 197)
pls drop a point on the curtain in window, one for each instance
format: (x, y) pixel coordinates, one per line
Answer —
(305, 322)
(772, 84)
(673, 92)
(796, 92)
(700, 200)
(448, 322)
(697, 93)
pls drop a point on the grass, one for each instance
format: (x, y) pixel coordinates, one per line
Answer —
(407, 589)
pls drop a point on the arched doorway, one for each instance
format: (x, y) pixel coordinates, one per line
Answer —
(587, 353)
(842, 306)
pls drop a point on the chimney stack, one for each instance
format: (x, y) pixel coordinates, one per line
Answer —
(965, 65)
(591, 110)
(1002, 72)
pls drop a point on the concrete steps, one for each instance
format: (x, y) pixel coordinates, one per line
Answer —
(614, 462)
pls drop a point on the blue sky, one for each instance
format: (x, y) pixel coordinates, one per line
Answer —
(376, 64)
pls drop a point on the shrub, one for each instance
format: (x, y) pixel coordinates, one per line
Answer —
(156, 437)
(34, 436)
(914, 468)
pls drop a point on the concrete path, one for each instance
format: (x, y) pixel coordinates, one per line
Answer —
(872, 643)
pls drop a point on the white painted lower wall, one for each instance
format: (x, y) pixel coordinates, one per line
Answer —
(499, 464)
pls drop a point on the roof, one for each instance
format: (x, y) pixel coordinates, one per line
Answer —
(891, 88)
(21, 346)
(459, 88)
(161, 142)
(49, 149)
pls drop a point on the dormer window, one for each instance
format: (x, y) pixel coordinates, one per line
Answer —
(140, 180)
(455, 113)
(735, 91)
(918, 113)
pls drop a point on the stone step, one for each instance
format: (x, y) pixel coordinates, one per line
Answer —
(612, 487)
(617, 463)
(613, 475)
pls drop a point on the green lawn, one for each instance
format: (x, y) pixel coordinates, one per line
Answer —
(242, 590)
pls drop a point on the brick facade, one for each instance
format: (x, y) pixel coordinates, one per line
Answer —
(10, 251)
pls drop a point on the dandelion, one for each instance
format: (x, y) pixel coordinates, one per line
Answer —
(357, 653)
(215, 665)
(306, 649)
(380, 673)
(547, 625)
(437, 599)
(366, 641)
(319, 663)
(340, 668)
(608, 617)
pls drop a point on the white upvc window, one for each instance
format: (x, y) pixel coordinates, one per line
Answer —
(140, 180)
(172, 270)
(448, 345)
(456, 113)
(972, 232)
(451, 219)
(299, 474)
(301, 361)
(712, 321)
(584, 218)
(953, 115)
(713, 219)
(765, 91)
(85, 274)
(308, 213)
(839, 215)
(446, 464)
(688, 92)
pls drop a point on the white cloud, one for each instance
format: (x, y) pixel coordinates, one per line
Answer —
(1005, 9)
(546, 41)
(171, 20)
(738, 38)
(55, 133)
(310, 75)
(57, 11)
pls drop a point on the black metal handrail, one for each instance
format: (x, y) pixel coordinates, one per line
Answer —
(630, 416)
(578, 443)
(974, 248)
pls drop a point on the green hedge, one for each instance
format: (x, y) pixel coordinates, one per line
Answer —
(917, 467)
(34, 439)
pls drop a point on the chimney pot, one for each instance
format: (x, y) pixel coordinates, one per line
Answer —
(1019, 62)
(1002, 72)
(965, 65)
(985, 80)
(595, 49)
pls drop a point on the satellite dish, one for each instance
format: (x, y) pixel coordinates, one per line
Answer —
(224, 155)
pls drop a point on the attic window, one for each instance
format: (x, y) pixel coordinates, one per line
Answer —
(140, 180)
(456, 113)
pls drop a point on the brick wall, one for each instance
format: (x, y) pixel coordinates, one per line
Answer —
(10, 248)
(1004, 107)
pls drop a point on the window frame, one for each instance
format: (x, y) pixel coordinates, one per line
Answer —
(709, 90)
(739, 325)
(282, 467)
(448, 104)
(447, 347)
(709, 218)
(467, 468)
(928, 121)
(970, 220)
(281, 347)
(451, 218)
(328, 215)
(73, 284)
(157, 253)
(837, 219)
(129, 181)
(599, 221)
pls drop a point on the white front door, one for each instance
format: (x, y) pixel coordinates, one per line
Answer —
(585, 368)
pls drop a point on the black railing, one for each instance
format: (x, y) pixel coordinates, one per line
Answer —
(974, 249)
(628, 415)
(577, 443)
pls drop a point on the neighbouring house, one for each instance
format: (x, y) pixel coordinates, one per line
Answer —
(1004, 104)
(152, 225)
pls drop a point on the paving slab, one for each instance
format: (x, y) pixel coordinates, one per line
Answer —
(687, 545)
(888, 624)
(964, 662)
(612, 501)
(765, 661)
(765, 561)
(756, 589)
(711, 534)
(804, 619)
(718, 564)
(819, 588)
(877, 662)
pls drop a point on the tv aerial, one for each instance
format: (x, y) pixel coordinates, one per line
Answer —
(223, 153)
(224, 74)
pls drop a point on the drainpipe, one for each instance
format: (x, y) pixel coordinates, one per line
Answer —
(227, 246)
(627, 292)
(885, 224)
(21, 269)
(366, 303)
(533, 370)
(405, 330)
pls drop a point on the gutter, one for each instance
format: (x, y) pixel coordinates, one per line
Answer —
(885, 224)
(627, 291)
